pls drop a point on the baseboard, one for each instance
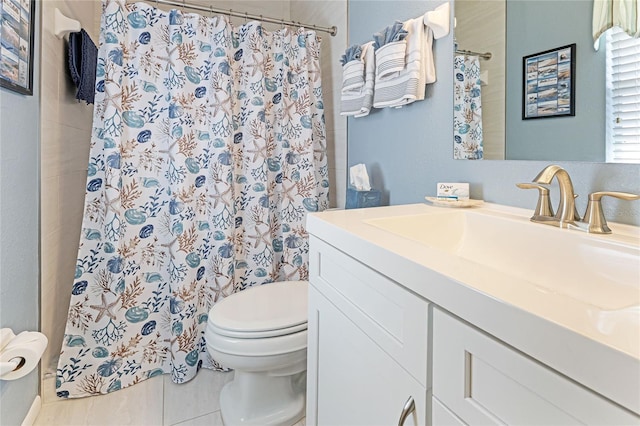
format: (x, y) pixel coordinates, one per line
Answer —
(32, 415)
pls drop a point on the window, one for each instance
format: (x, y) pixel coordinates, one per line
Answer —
(623, 97)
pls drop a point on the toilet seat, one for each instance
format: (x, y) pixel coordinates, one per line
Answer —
(268, 310)
(257, 347)
(256, 334)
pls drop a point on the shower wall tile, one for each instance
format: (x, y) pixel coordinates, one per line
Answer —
(72, 112)
(72, 189)
(48, 390)
(332, 180)
(196, 398)
(57, 273)
(339, 154)
(48, 271)
(341, 186)
(65, 149)
(49, 202)
(60, 228)
(331, 147)
(62, 201)
(65, 138)
(49, 100)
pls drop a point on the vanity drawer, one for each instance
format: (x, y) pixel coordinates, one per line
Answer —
(484, 381)
(393, 317)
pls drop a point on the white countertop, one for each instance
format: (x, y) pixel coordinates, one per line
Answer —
(600, 349)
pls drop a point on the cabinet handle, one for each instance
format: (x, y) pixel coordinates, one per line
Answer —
(409, 407)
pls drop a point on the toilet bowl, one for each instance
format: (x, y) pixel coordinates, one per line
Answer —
(261, 333)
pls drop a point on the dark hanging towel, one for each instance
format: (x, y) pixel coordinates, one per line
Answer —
(83, 57)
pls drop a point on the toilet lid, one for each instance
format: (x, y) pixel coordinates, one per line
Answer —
(269, 309)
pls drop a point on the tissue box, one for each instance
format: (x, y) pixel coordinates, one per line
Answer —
(360, 199)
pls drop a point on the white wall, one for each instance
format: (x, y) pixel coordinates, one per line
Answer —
(19, 191)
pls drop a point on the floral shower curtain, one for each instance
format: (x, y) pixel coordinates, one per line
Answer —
(208, 149)
(467, 108)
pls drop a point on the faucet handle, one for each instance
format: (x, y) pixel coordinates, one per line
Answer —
(594, 216)
(544, 201)
(596, 196)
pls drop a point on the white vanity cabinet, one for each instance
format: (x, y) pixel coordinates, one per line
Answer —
(480, 380)
(374, 344)
(364, 360)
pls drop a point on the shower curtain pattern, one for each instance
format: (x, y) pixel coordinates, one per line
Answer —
(467, 108)
(208, 149)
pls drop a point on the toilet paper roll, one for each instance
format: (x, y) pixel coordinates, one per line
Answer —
(28, 346)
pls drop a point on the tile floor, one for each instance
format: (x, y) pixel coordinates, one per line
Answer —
(156, 401)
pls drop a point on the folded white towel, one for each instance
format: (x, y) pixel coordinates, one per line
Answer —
(408, 85)
(390, 59)
(358, 102)
(352, 75)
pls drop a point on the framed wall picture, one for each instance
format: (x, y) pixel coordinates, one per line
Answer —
(549, 83)
(17, 21)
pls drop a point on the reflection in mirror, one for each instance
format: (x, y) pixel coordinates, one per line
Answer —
(480, 29)
(511, 30)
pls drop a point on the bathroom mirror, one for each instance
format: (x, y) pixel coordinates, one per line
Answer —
(510, 30)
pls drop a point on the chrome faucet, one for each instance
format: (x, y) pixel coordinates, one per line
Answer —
(566, 215)
(566, 212)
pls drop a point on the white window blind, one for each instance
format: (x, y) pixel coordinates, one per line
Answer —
(623, 97)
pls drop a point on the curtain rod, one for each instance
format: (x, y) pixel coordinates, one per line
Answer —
(486, 55)
(331, 30)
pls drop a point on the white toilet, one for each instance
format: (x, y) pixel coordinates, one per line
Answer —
(261, 333)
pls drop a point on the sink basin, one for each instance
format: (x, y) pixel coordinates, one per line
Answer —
(602, 271)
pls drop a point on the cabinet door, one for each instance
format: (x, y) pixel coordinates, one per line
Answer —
(484, 381)
(442, 416)
(351, 380)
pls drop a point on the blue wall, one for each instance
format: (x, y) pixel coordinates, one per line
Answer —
(19, 211)
(407, 151)
(579, 138)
